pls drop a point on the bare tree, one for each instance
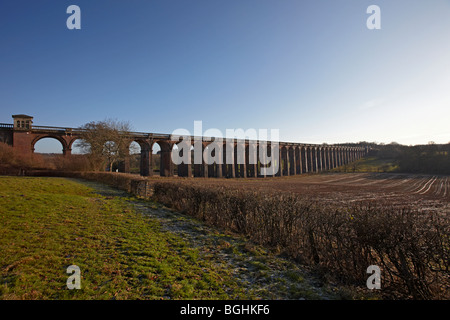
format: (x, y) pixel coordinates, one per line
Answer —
(106, 142)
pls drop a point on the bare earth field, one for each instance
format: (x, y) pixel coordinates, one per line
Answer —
(422, 191)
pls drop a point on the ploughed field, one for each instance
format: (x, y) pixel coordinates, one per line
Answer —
(429, 192)
(339, 222)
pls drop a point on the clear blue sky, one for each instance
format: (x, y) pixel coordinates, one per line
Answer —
(311, 69)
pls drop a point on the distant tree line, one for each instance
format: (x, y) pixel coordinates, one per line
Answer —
(431, 158)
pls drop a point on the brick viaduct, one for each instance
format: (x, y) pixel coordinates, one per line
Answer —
(294, 158)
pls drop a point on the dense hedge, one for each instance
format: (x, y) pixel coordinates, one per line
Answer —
(410, 246)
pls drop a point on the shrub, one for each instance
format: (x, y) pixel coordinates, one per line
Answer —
(9, 158)
(411, 246)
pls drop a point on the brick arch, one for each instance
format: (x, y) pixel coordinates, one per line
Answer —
(184, 169)
(144, 144)
(65, 146)
(144, 168)
(166, 165)
(71, 140)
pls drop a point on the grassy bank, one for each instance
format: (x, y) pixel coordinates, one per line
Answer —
(48, 224)
(369, 164)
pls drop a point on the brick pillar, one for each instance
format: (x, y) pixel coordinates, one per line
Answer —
(239, 160)
(219, 166)
(325, 159)
(185, 169)
(67, 151)
(304, 156)
(293, 161)
(230, 160)
(298, 157)
(328, 159)
(243, 166)
(224, 161)
(197, 157)
(22, 142)
(251, 158)
(338, 157)
(145, 167)
(197, 170)
(236, 163)
(285, 157)
(314, 161)
(280, 162)
(166, 165)
(333, 158)
(299, 160)
(262, 159)
(204, 165)
(311, 165)
(319, 159)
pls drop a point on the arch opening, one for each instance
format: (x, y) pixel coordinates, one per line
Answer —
(48, 153)
(48, 145)
(80, 147)
(134, 162)
(156, 158)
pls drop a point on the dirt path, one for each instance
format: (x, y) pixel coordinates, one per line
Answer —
(264, 274)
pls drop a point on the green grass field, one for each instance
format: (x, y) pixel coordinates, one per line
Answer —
(48, 224)
(369, 164)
